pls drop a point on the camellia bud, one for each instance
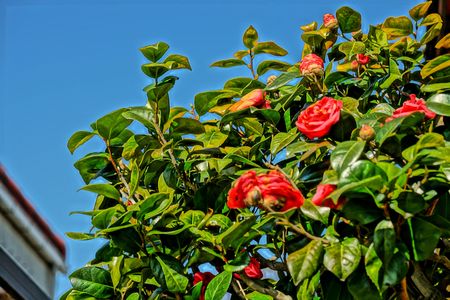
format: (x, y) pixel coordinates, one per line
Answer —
(311, 64)
(362, 59)
(366, 132)
(271, 79)
(354, 65)
(329, 21)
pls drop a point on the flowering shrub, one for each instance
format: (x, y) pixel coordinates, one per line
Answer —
(327, 179)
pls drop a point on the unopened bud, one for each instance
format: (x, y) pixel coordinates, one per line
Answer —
(329, 21)
(271, 79)
(366, 132)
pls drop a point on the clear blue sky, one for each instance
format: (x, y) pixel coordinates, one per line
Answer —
(65, 63)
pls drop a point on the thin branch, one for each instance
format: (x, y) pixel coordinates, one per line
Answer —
(274, 265)
(441, 259)
(119, 173)
(256, 286)
(301, 230)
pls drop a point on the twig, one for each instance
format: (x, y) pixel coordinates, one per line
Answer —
(300, 230)
(403, 290)
(274, 265)
(441, 259)
(254, 285)
(119, 174)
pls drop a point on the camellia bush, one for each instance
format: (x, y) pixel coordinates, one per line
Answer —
(328, 179)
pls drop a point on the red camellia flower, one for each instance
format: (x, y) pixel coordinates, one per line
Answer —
(362, 59)
(253, 270)
(204, 277)
(268, 191)
(317, 120)
(311, 64)
(321, 196)
(411, 106)
(329, 21)
(255, 98)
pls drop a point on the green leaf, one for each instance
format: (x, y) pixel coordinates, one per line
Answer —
(440, 104)
(346, 153)
(352, 48)
(313, 38)
(394, 74)
(282, 140)
(396, 27)
(187, 125)
(241, 54)
(377, 37)
(77, 139)
(192, 217)
(431, 19)
(362, 210)
(212, 138)
(174, 281)
(92, 165)
(336, 78)
(221, 221)
(142, 114)
(434, 87)
(373, 265)
(267, 65)
(269, 48)
(243, 85)
(155, 51)
(424, 237)
(203, 102)
(303, 263)
(103, 219)
(384, 241)
(228, 63)
(116, 269)
(444, 42)
(420, 10)
(93, 281)
(236, 232)
(218, 287)
(178, 62)
(318, 213)
(431, 33)
(112, 124)
(349, 19)
(411, 202)
(360, 286)
(154, 205)
(282, 80)
(104, 189)
(250, 38)
(342, 258)
(80, 236)
(362, 170)
(434, 65)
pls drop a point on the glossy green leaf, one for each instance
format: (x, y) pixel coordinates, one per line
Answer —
(112, 124)
(250, 37)
(396, 27)
(154, 205)
(361, 210)
(103, 219)
(411, 202)
(431, 19)
(440, 104)
(192, 217)
(269, 48)
(268, 65)
(228, 63)
(178, 62)
(352, 48)
(93, 281)
(203, 102)
(156, 70)
(174, 281)
(439, 63)
(282, 140)
(155, 51)
(212, 138)
(303, 263)
(233, 234)
(360, 286)
(349, 19)
(218, 287)
(444, 42)
(92, 165)
(142, 114)
(420, 10)
(342, 258)
(243, 85)
(77, 139)
(394, 74)
(187, 125)
(424, 237)
(318, 213)
(104, 189)
(373, 265)
(282, 80)
(80, 236)
(384, 241)
(346, 153)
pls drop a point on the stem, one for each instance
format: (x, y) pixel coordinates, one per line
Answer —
(250, 66)
(254, 285)
(301, 230)
(119, 174)
(274, 265)
(404, 290)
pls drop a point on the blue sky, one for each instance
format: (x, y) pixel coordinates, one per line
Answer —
(65, 63)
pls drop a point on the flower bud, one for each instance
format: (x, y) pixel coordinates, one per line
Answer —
(366, 132)
(311, 64)
(329, 21)
(271, 79)
(354, 65)
(362, 59)
(255, 98)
